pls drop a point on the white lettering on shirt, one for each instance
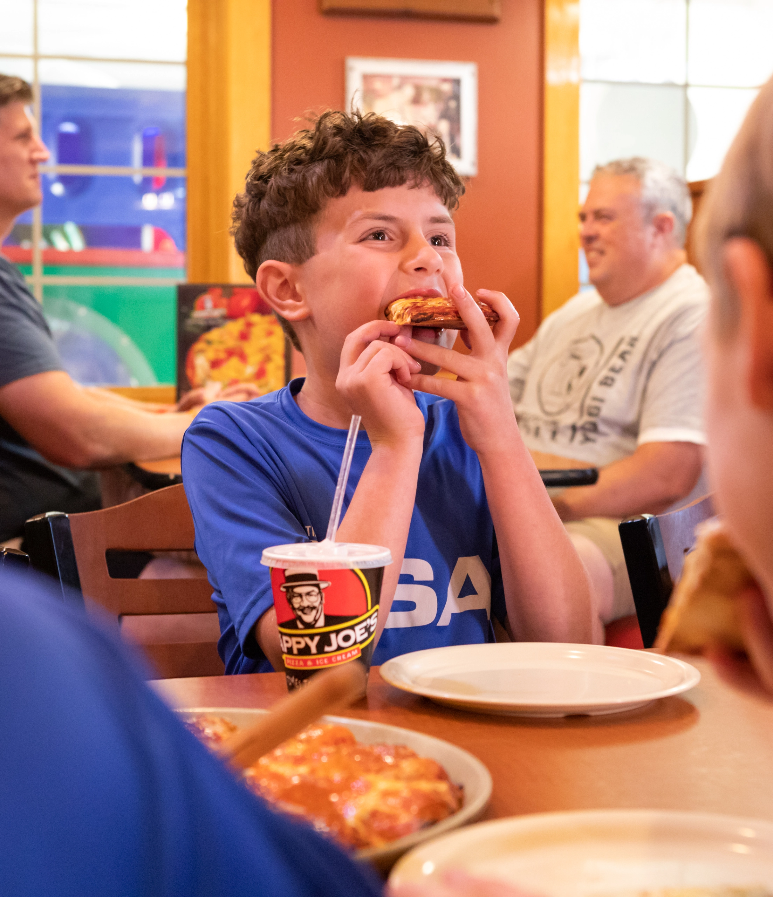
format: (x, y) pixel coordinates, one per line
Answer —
(423, 598)
(473, 568)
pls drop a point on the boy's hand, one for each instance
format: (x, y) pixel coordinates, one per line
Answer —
(375, 379)
(481, 390)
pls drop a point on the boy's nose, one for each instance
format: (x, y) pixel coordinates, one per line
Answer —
(421, 255)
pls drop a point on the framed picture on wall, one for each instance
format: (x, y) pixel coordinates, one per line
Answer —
(440, 97)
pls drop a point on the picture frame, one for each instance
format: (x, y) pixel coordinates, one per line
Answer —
(437, 96)
(459, 10)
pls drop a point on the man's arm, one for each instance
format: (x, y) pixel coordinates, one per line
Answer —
(193, 400)
(546, 461)
(649, 481)
(68, 426)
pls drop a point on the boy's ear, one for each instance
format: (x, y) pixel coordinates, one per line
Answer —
(277, 284)
(751, 277)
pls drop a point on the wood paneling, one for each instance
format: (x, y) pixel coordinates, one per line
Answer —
(228, 108)
(561, 173)
(163, 395)
(697, 191)
(476, 10)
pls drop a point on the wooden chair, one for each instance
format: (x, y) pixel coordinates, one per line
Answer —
(172, 620)
(654, 549)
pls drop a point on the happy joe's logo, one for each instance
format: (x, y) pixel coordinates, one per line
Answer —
(325, 617)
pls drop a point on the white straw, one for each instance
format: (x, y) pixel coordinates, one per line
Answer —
(343, 478)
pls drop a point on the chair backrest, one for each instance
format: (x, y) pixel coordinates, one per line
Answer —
(654, 549)
(75, 550)
(13, 557)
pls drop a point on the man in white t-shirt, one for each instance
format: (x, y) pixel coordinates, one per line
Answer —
(613, 378)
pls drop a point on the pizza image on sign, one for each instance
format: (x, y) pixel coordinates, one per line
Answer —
(228, 335)
(249, 349)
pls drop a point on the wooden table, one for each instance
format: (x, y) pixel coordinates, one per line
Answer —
(709, 750)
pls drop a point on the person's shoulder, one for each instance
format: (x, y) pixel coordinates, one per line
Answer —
(582, 303)
(685, 287)
(241, 413)
(14, 292)
(9, 270)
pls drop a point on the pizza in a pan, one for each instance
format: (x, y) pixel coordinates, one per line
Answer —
(364, 795)
(703, 609)
(433, 311)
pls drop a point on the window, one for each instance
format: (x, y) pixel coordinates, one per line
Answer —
(107, 247)
(670, 79)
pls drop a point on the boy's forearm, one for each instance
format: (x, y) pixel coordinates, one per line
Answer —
(381, 509)
(267, 637)
(546, 586)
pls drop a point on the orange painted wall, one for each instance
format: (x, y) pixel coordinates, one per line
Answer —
(498, 223)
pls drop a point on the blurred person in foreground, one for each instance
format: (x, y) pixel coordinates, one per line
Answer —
(612, 379)
(51, 429)
(735, 245)
(104, 792)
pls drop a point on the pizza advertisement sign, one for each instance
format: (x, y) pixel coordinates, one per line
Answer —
(227, 334)
(325, 617)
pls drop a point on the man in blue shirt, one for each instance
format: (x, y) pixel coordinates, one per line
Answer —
(51, 429)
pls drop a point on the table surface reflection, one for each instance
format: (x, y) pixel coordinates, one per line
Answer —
(710, 749)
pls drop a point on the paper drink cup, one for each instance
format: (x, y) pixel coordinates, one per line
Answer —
(326, 596)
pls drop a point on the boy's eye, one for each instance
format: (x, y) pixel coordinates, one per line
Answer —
(439, 240)
(380, 235)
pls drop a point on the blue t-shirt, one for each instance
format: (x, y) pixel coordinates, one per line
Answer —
(104, 792)
(29, 484)
(262, 473)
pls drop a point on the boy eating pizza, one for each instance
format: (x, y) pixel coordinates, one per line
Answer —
(334, 224)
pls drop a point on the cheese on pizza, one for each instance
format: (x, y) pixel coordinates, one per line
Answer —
(364, 795)
(212, 730)
(436, 311)
(250, 349)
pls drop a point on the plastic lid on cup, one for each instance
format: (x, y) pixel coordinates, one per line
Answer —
(327, 555)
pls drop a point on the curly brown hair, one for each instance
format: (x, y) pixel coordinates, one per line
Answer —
(292, 182)
(14, 90)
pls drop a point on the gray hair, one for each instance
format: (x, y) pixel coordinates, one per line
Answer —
(739, 203)
(662, 189)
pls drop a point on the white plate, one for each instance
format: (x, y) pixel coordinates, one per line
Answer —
(604, 852)
(540, 679)
(461, 766)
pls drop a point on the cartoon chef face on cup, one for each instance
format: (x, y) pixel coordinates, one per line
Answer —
(304, 592)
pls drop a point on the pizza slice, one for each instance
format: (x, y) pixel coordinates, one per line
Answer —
(433, 311)
(703, 608)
